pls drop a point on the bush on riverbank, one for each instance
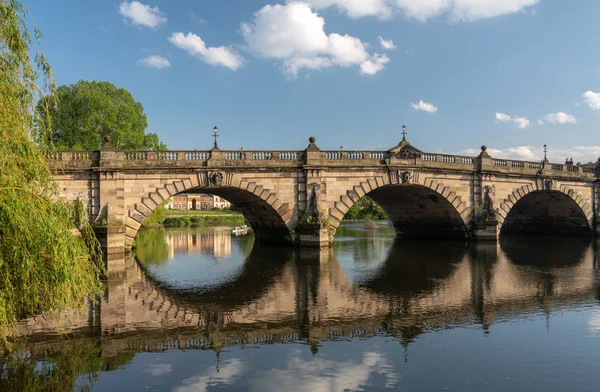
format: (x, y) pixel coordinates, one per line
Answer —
(157, 216)
(366, 209)
(180, 221)
(43, 266)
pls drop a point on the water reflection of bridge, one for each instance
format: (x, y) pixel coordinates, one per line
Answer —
(279, 296)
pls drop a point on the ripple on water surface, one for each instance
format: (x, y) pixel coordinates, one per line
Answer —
(202, 309)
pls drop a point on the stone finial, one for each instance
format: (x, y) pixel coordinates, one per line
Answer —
(312, 139)
(107, 143)
(484, 153)
(312, 145)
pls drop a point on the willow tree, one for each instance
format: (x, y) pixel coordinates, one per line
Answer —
(43, 266)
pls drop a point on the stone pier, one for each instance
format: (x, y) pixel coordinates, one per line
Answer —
(301, 196)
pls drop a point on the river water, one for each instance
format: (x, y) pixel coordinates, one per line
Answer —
(201, 309)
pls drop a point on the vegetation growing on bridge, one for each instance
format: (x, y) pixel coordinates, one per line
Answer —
(43, 266)
(87, 112)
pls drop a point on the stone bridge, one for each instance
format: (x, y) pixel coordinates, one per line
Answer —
(302, 196)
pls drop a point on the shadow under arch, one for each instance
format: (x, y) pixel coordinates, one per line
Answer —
(261, 269)
(547, 212)
(545, 252)
(415, 267)
(417, 211)
(269, 217)
(265, 220)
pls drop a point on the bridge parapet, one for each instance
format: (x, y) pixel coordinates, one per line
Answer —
(532, 168)
(77, 160)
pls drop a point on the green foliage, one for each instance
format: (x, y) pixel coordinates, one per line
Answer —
(43, 266)
(181, 221)
(157, 216)
(151, 247)
(89, 111)
(366, 208)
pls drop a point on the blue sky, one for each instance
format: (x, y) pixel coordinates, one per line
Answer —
(511, 74)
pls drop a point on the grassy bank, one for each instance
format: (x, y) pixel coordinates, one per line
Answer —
(199, 212)
(181, 218)
(199, 220)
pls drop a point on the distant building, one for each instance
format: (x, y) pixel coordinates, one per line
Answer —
(197, 201)
(221, 203)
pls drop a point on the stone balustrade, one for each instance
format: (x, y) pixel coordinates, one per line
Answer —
(241, 158)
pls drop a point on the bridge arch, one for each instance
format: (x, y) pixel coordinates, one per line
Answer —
(417, 208)
(270, 217)
(549, 211)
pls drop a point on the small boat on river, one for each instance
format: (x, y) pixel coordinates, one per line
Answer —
(240, 230)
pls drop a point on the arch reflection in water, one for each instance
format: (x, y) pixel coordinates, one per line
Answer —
(311, 297)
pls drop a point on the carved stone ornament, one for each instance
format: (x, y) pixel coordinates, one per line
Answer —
(215, 178)
(406, 154)
(313, 186)
(548, 184)
(489, 190)
(405, 177)
(488, 202)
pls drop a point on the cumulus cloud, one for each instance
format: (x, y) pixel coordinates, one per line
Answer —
(592, 99)
(454, 10)
(382, 9)
(424, 106)
(560, 118)
(306, 376)
(374, 65)
(520, 122)
(141, 14)
(155, 61)
(386, 44)
(230, 370)
(160, 369)
(193, 44)
(295, 34)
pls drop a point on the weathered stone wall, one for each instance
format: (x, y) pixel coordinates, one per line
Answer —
(420, 204)
(281, 192)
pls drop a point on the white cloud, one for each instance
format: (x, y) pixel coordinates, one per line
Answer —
(294, 34)
(560, 118)
(307, 375)
(386, 44)
(374, 65)
(155, 61)
(356, 8)
(223, 55)
(520, 122)
(476, 151)
(142, 15)
(594, 323)
(229, 371)
(424, 106)
(160, 369)
(503, 118)
(592, 99)
(471, 10)
(454, 10)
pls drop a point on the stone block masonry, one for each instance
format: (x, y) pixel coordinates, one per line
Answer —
(301, 197)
